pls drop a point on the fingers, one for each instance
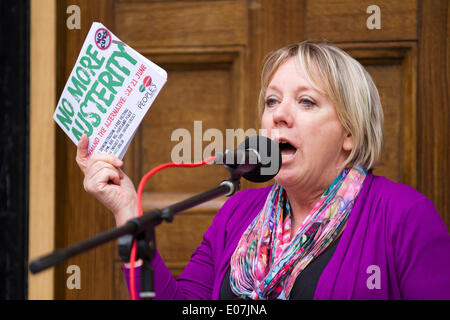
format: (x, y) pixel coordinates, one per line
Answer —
(121, 174)
(96, 181)
(82, 152)
(101, 169)
(93, 169)
(104, 157)
(83, 160)
(107, 175)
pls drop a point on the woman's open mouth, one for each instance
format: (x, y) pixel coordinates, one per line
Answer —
(287, 150)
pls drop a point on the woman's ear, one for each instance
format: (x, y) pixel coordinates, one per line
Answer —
(348, 142)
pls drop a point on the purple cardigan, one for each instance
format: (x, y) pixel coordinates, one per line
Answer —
(395, 246)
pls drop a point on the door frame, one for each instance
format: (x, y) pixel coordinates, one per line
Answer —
(43, 33)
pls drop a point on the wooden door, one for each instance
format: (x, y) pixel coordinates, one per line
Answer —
(213, 52)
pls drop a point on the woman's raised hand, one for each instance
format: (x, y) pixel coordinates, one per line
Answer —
(104, 179)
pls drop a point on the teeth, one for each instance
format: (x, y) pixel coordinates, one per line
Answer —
(286, 156)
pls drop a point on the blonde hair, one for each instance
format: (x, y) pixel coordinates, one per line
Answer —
(352, 90)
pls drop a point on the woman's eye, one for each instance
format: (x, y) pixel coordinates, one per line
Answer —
(307, 102)
(270, 102)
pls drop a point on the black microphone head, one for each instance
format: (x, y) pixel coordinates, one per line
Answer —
(269, 158)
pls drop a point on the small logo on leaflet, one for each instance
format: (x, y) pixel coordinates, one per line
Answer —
(102, 38)
(147, 82)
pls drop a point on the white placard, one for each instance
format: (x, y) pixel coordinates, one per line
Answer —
(108, 93)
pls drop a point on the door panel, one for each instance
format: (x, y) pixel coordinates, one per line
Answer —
(346, 20)
(182, 23)
(393, 69)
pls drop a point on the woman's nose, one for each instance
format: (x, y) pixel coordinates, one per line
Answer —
(282, 115)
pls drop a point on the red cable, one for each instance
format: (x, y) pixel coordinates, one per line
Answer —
(140, 190)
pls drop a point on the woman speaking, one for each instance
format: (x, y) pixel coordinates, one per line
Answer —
(328, 228)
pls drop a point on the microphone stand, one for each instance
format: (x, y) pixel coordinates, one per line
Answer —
(142, 229)
(145, 231)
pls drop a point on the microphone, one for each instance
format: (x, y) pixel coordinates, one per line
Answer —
(257, 159)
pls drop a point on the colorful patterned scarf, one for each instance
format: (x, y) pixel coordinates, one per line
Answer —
(267, 262)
